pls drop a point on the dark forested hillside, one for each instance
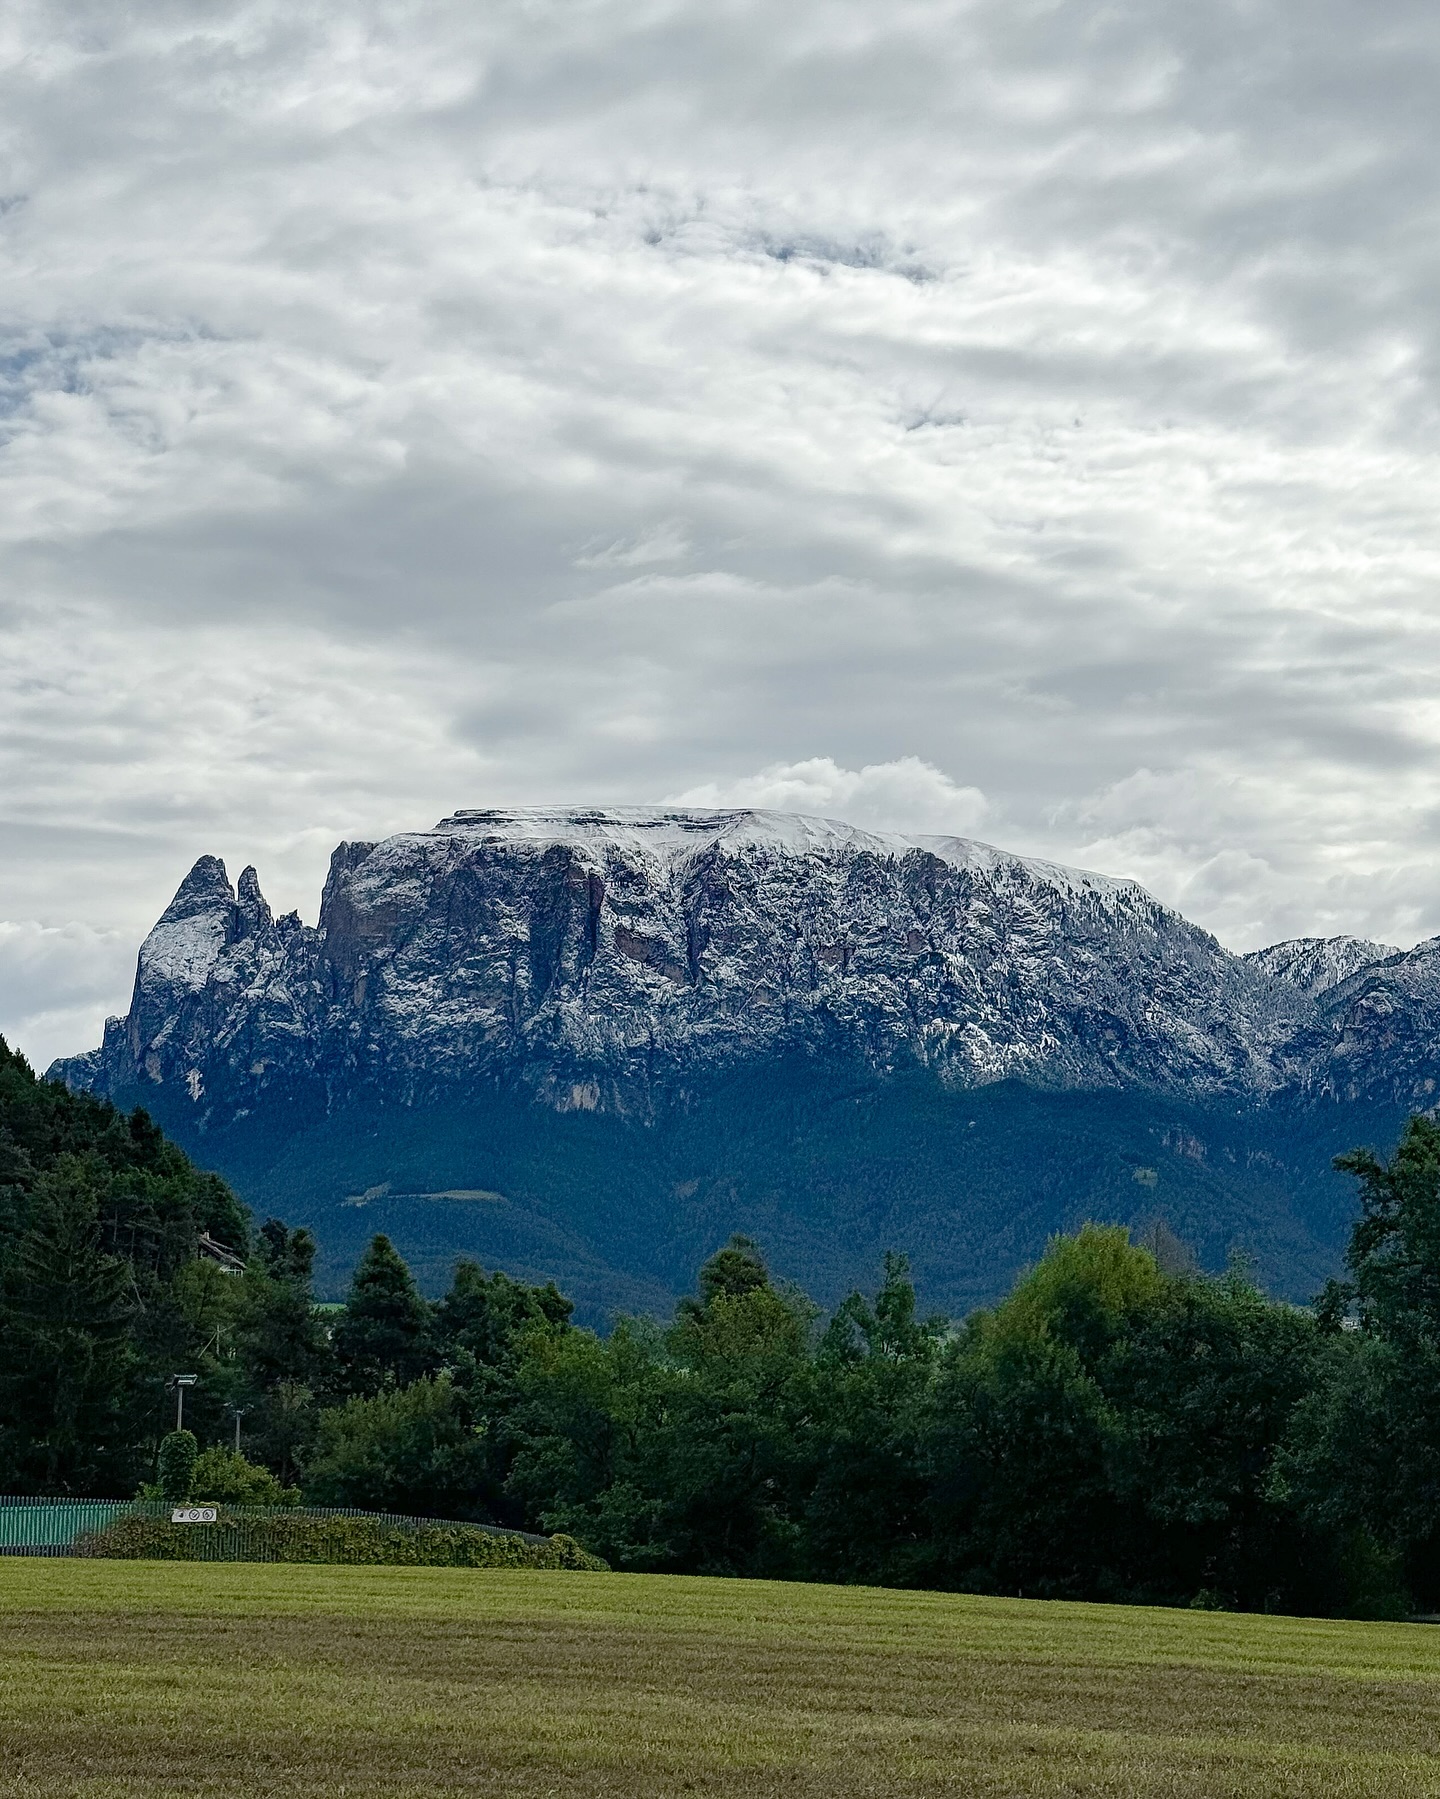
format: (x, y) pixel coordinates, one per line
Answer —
(122, 1264)
(100, 1217)
(827, 1165)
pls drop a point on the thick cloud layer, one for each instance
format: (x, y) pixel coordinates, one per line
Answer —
(1021, 418)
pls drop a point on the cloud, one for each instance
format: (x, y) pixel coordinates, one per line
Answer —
(1240, 852)
(906, 795)
(411, 408)
(661, 543)
(57, 986)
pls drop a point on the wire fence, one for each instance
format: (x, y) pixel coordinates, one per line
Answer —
(197, 1531)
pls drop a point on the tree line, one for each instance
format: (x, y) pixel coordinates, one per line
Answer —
(1120, 1427)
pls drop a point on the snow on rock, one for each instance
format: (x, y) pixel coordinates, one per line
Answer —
(604, 957)
(1314, 964)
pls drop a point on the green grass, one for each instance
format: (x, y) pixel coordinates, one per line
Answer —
(148, 1679)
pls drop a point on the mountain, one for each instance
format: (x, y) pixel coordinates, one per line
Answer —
(589, 1043)
(1315, 964)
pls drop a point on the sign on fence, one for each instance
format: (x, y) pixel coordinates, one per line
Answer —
(193, 1514)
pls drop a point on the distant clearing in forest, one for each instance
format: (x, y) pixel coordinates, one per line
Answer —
(147, 1679)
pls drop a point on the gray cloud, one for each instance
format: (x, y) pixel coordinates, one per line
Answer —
(49, 981)
(403, 408)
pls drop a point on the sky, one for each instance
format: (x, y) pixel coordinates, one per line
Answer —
(1020, 420)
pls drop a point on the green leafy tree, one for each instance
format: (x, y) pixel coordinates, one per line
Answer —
(283, 1355)
(481, 1331)
(730, 1273)
(1394, 1253)
(280, 1335)
(1358, 1469)
(1204, 1390)
(100, 1217)
(860, 1416)
(675, 1450)
(404, 1449)
(724, 1454)
(1110, 1430)
(285, 1421)
(1016, 1460)
(1362, 1458)
(590, 1411)
(1023, 1434)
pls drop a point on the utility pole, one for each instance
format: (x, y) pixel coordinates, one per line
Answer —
(239, 1411)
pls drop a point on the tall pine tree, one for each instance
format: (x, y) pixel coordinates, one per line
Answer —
(383, 1338)
(67, 1364)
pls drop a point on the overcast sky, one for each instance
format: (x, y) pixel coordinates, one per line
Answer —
(1018, 419)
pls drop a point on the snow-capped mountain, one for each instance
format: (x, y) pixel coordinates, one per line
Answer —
(618, 963)
(1315, 964)
(598, 958)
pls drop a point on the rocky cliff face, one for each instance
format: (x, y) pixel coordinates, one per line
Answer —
(590, 1044)
(1315, 964)
(602, 959)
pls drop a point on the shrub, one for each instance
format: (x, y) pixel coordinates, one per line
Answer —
(310, 1537)
(224, 1477)
(179, 1453)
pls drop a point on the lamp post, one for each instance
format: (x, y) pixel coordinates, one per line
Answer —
(180, 1382)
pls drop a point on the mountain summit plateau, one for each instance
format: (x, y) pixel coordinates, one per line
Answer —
(588, 1041)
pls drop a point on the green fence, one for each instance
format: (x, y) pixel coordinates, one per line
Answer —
(50, 1526)
(156, 1530)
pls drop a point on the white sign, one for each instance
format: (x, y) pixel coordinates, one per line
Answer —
(193, 1514)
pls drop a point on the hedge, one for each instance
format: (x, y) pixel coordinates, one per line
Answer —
(300, 1537)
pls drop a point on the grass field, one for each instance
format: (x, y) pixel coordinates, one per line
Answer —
(149, 1679)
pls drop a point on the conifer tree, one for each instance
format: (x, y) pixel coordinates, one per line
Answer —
(383, 1338)
(282, 1340)
(67, 1360)
(486, 1315)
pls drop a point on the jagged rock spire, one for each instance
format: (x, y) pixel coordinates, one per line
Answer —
(205, 887)
(252, 903)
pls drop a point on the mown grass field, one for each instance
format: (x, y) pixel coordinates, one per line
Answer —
(150, 1679)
